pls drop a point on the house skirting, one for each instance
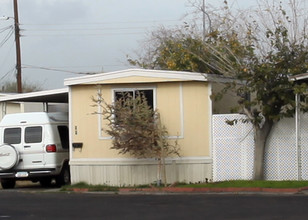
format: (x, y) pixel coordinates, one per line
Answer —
(131, 172)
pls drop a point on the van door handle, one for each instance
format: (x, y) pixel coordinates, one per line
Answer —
(27, 146)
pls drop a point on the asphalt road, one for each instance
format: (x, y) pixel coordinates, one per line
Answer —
(42, 204)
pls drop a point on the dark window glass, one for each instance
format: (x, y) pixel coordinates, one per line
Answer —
(148, 93)
(123, 94)
(63, 132)
(12, 136)
(33, 134)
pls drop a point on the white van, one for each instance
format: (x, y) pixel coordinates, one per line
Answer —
(34, 146)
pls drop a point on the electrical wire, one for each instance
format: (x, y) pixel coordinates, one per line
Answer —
(7, 37)
(100, 23)
(6, 28)
(74, 35)
(100, 29)
(6, 57)
(8, 73)
(90, 29)
(57, 70)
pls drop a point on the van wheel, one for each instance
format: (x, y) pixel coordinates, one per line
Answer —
(45, 182)
(8, 183)
(65, 177)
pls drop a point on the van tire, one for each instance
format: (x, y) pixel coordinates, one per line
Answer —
(45, 182)
(65, 177)
(8, 183)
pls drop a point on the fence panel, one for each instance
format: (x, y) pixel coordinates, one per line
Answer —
(233, 149)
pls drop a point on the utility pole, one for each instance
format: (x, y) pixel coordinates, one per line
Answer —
(18, 53)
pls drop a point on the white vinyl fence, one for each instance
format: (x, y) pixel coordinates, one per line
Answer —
(233, 149)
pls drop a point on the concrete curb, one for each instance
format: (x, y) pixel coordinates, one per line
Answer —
(212, 190)
(155, 190)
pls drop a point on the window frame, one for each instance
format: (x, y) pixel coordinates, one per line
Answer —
(122, 89)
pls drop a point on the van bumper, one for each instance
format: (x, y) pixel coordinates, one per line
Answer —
(29, 174)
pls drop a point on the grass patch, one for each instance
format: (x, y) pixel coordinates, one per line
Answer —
(91, 188)
(249, 183)
(224, 184)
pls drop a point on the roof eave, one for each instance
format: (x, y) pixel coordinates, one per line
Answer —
(180, 75)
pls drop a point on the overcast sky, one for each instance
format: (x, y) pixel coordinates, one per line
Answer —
(82, 35)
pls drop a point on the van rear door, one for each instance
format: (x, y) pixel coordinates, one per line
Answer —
(33, 147)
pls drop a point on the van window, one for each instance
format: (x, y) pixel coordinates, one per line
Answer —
(63, 132)
(33, 134)
(12, 136)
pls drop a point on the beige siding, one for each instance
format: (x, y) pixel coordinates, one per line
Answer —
(185, 110)
(169, 105)
(197, 119)
(137, 172)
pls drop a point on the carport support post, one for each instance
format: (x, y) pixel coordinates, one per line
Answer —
(45, 107)
(298, 136)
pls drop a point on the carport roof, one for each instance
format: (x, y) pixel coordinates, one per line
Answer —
(55, 96)
(299, 77)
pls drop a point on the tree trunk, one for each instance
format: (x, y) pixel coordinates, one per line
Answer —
(260, 137)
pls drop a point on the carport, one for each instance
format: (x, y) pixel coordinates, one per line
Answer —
(33, 152)
(45, 97)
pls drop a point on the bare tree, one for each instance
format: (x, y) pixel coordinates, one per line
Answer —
(136, 129)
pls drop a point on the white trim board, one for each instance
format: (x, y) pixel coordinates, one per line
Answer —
(134, 161)
(180, 75)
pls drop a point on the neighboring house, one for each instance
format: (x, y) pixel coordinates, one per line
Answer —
(184, 102)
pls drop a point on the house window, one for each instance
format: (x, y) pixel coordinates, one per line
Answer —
(148, 93)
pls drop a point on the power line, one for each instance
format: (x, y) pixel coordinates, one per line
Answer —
(74, 35)
(100, 23)
(6, 28)
(6, 57)
(7, 37)
(57, 70)
(90, 29)
(8, 73)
